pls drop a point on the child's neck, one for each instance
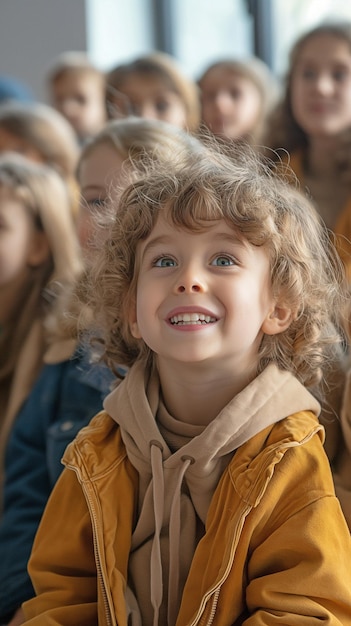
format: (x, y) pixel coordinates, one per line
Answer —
(197, 397)
(320, 157)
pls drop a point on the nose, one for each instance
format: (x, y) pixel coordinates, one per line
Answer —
(324, 84)
(69, 108)
(193, 288)
(148, 111)
(190, 281)
(223, 101)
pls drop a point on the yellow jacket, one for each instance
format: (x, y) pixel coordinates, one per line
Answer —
(276, 547)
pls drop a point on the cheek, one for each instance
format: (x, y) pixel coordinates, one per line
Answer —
(85, 228)
(250, 111)
(297, 97)
(346, 97)
(176, 115)
(13, 257)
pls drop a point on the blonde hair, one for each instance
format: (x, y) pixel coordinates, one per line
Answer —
(283, 131)
(136, 138)
(44, 129)
(45, 195)
(165, 68)
(260, 75)
(305, 268)
(74, 63)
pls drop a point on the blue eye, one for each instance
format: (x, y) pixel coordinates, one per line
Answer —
(222, 261)
(165, 261)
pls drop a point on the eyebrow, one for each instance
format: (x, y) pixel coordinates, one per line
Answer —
(162, 239)
(92, 187)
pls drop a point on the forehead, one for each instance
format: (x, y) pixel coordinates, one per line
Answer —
(140, 84)
(325, 47)
(76, 81)
(165, 231)
(223, 75)
(100, 166)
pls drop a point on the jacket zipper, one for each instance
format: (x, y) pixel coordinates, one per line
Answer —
(198, 621)
(215, 591)
(99, 571)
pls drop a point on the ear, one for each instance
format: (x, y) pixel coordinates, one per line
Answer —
(133, 322)
(39, 250)
(278, 320)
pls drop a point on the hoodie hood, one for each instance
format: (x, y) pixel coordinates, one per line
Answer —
(136, 407)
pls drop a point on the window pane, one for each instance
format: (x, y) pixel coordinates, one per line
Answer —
(118, 31)
(206, 30)
(295, 17)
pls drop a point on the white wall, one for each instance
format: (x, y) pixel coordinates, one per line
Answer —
(34, 32)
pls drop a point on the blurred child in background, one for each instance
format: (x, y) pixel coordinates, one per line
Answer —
(154, 87)
(72, 385)
(310, 130)
(202, 493)
(311, 126)
(236, 98)
(38, 251)
(41, 134)
(77, 90)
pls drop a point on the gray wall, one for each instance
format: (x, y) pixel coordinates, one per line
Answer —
(34, 32)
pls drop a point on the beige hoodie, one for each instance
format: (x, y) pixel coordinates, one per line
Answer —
(179, 466)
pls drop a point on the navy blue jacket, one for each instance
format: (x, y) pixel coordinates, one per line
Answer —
(64, 399)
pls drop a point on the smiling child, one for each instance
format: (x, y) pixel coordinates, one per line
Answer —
(202, 493)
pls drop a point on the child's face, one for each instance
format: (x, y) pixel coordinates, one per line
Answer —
(321, 86)
(19, 241)
(147, 96)
(231, 104)
(99, 170)
(202, 298)
(81, 100)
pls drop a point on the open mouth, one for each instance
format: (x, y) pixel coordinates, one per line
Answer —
(192, 318)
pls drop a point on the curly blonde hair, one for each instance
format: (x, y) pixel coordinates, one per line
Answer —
(306, 272)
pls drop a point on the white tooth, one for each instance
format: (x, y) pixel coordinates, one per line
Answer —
(194, 317)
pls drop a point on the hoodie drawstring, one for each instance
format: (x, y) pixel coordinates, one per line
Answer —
(174, 545)
(158, 490)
